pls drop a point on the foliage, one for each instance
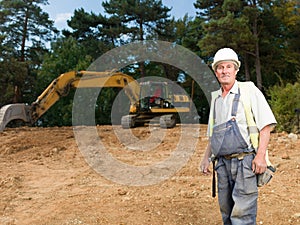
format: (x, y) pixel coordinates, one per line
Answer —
(285, 101)
(24, 30)
(66, 55)
(9, 81)
(142, 16)
(89, 32)
(22, 22)
(265, 34)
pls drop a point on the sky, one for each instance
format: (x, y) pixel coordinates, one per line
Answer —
(61, 10)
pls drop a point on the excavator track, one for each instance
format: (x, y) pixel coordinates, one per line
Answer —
(167, 121)
(128, 121)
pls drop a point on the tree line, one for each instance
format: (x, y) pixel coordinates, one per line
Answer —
(265, 34)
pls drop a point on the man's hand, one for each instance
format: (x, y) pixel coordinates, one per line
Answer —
(205, 160)
(204, 166)
(259, 164)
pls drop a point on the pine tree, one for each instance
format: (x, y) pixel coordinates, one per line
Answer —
(235, 24)
(24, 28)
(143, 16)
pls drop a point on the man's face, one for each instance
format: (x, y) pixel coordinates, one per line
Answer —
(226, 73)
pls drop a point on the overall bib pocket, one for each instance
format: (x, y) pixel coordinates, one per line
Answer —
(227, 139)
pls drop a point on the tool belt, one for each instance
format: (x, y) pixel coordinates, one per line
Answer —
(239, 156)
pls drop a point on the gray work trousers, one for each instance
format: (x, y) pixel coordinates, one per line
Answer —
(237, 190)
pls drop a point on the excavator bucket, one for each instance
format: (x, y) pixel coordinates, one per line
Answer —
(14, 112)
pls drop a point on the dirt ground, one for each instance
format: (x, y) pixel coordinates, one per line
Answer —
(45, 179)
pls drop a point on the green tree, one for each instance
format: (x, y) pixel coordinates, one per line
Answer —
(284, 102)
(65, 55)
(24, 28)
(265, 34)
(186, 32)
(225, 25)
(87, 30)
(24, 22)
(142, 16)
(9, 82)
(287, 14)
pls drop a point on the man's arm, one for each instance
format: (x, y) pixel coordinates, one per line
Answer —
(205, 160)
(259, 164)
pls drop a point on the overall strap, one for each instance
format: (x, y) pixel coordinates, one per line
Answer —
(235, 103)
(214, 121)
(212, 116)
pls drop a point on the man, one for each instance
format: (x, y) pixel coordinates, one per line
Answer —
(239, 161)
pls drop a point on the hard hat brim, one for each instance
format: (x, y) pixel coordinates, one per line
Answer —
(215, 64)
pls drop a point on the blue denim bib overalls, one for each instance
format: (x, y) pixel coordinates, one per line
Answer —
(226, 137)
(237, 185)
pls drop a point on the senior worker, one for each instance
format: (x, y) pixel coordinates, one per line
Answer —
(238, 162)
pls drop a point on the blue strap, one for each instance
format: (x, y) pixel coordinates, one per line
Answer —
(235, 104)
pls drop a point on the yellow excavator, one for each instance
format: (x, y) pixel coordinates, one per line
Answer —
(148, 100)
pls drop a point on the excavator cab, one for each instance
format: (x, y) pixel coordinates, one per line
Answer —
(154, 95)
(159, 102)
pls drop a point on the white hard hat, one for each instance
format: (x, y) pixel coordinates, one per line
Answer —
(223, 55)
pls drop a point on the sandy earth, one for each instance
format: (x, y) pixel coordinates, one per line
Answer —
(45, 179)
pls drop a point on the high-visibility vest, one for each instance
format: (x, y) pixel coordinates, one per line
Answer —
(245, 88)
